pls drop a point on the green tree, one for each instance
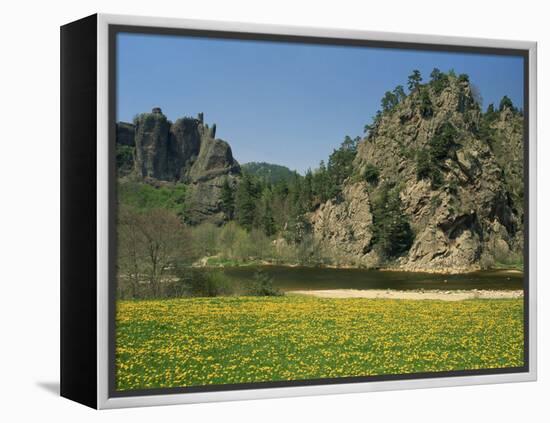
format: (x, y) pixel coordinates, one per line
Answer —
(427, 168)
(442, 143)
(320, 183)
(340, 165)
(486, 132)
(414, 80)
(439, 80)
(370, 129)
(266, 220)
(308, 189)
(506, 103)
(124, 159)
(245, 202)
(399, 93)
(436, 74)
(430, 160)
(392, 231)
(389, 101)
(227, 198)
(426, 107)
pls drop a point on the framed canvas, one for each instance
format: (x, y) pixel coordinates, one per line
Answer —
(254, 211)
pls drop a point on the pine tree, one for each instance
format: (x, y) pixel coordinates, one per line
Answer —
(392, 231)
(266, 221)
(399, 93)
(228, 199)
(506, 103)
(320, 183)
(340, 165)
(389, 101)
(439, 80)
(308, 189)
(414, 80)
(245, 202)
(426, 107)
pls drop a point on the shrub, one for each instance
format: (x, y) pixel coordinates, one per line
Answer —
(124, 158)
(428, 161)
(442, 143)
(262, 285)
(426, 108)
(439, 81)
(423, 165)
(371, 174)
(427, 167)
(200, 282)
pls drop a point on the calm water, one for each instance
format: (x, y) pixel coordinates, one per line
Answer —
(307, 278)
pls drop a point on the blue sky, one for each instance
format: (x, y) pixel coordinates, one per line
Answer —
(284, 103)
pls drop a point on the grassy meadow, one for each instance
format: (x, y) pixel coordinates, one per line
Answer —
(223, 340)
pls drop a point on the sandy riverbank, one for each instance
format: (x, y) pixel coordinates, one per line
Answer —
(411, 295)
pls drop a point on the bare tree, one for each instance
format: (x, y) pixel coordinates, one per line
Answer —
(129, 254)
(149, 245)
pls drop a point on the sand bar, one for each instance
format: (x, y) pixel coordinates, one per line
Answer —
(412, 295)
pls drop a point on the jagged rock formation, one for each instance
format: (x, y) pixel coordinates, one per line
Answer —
(185, 151)
(345, 227)
(152, 146)
(461, 192)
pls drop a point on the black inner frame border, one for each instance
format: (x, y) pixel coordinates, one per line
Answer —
(114, 30)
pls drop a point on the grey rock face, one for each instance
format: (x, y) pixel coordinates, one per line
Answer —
(215, 159)
(185, 145)
(346, 226)
(474, 212)
(152, 140)
(213, 165)
(184, 151)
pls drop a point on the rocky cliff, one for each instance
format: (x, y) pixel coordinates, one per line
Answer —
(457, 176)
(185, 151)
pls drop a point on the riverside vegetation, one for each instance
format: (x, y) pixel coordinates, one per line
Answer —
(434, 184)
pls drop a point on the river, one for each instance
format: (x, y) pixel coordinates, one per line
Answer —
(312, 278)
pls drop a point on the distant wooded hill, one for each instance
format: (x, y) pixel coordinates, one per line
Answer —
(271, 173)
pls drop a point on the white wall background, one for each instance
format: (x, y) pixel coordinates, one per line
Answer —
(29, 208)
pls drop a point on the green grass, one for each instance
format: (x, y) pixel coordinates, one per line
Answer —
(509, 265)
(202, 341)
(216, 261)
(146, 197)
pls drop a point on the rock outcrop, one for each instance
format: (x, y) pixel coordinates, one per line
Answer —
(463, 202)
(185, 151)
(345, 227)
